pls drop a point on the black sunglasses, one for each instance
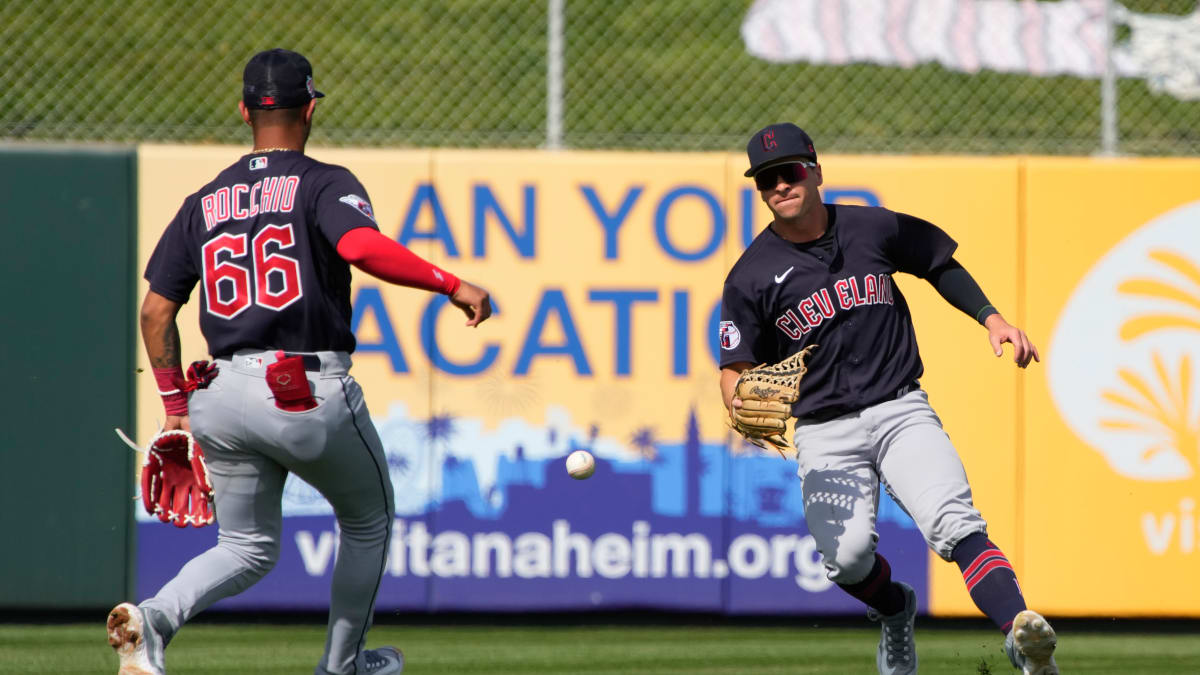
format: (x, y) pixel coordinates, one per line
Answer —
(792, 172)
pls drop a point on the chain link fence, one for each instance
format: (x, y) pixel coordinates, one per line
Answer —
(863, 76)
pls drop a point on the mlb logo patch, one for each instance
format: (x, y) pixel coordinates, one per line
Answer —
(730, 336)
(359, 204)
(258, 163)
(252, 362)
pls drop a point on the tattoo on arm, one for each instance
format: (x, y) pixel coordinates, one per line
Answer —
(169, 357)
(160, 332)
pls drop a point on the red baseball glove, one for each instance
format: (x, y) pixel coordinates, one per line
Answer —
(175, 484)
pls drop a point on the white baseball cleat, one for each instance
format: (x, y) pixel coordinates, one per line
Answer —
(1030, 644)
(134, 641)
(383, 661)
(897, 654)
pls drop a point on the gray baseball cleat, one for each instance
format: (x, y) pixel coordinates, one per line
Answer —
(135, 642)
(897, 653)
(1030, 644)
(383, 661)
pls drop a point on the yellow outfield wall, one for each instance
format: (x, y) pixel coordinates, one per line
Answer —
(606, 268)
(1112, 423)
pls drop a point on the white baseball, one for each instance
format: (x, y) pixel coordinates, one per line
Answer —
(581, 464)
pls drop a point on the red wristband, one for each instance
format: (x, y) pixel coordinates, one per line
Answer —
(173, 396)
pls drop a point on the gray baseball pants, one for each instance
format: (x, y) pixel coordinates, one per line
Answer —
(251, 446)
(901, 443)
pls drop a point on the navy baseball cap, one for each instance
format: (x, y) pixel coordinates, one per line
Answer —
(278, 78)
(778, 142)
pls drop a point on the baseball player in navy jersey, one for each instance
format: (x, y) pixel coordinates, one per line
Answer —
(822, 274)
(270, 242)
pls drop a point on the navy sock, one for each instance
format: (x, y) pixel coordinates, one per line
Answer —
(878, 590)
(990, 579)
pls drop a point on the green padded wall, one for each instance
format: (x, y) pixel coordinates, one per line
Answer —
(67, 353)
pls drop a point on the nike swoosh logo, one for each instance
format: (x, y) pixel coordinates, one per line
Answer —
(780, 277)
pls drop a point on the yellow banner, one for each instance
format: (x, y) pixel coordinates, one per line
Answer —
(606, 273)
(1112, 435)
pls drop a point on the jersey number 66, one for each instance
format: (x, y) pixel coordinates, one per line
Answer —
(227, 286)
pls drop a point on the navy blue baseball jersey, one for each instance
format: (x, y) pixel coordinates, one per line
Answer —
(835, 292)
(262, 239)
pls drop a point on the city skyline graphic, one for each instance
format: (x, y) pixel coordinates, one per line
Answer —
(490, 520)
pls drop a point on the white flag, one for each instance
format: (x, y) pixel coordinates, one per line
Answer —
(1008, 36)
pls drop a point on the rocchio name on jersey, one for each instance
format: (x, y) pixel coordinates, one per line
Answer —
(272, 194)
(874, 289)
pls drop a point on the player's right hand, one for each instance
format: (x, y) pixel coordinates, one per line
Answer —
(473, 301)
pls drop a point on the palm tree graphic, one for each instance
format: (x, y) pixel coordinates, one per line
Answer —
(643, 441)
(1160, 405)
(1182, 293)
(1162, 412)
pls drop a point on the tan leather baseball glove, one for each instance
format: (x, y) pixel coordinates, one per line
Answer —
(767, 393)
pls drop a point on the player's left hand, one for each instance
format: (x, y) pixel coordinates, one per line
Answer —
(1001, 331)
(762, 401)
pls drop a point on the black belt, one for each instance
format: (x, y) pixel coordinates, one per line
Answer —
(826, 414)
(311, 361)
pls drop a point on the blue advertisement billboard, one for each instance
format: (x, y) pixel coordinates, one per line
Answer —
(690, 526)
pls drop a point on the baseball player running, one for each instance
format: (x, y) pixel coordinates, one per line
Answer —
(820, 276)
(270, 240)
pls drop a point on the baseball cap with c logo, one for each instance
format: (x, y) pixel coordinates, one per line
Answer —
(777, 142)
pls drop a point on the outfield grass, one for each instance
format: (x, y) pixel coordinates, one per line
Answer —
(458, 650)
